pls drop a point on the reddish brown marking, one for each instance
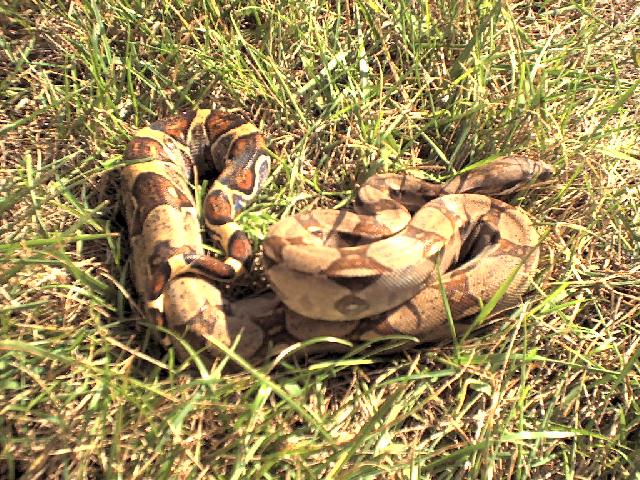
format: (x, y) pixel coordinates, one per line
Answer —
(152, 190)
(217, 209)
(219, 122)
(252, 142)
(372, 230)
(423, 235)
(359, 250)
(458, 295)
(210, 267)
(515, 250)
(245, 147)
(309, 221)
(303, 240)
(261, 144)
(144, 148)
(177, 125)
(457, 284)
(243, 180)
(240, 246)
(351, 262)
(159, 277)
(495, 212)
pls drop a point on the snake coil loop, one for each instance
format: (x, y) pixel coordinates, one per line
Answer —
(356, 275)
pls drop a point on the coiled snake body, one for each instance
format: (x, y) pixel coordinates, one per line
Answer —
(355, 275)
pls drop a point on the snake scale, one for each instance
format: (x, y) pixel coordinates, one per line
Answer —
(378, 271)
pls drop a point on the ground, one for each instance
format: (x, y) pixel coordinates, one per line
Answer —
(342, 89)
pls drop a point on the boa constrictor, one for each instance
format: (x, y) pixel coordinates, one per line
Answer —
(385, 269)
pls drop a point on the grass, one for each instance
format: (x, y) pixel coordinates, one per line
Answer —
(342, 89)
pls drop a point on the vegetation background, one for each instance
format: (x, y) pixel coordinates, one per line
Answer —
(342, 89)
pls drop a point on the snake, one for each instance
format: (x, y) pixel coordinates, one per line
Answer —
(413, 258)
